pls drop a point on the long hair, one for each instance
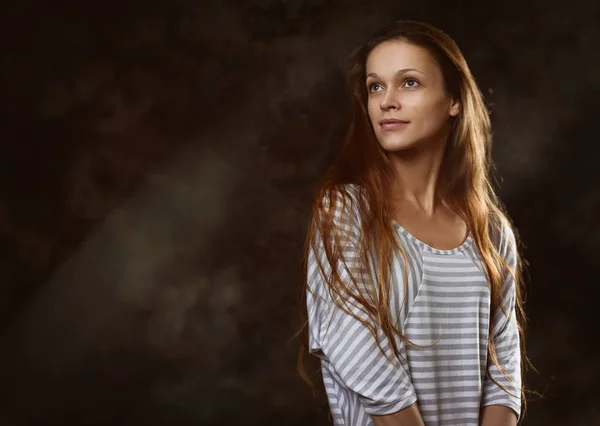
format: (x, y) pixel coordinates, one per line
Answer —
(465, 184)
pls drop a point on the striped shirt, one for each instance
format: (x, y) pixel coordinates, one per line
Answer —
(447, 306)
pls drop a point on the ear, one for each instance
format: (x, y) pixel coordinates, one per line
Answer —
(454, 108)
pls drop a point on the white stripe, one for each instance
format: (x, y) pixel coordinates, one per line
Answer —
(467, 268)
(467, 279)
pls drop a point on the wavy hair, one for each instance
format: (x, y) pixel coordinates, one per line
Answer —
(464, 184)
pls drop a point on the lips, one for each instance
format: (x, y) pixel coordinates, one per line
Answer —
(392, 124)
(392, 121)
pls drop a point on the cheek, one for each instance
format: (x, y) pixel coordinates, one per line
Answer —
(419, 102)
(372, 111)
(433, 112)
(371, 108)
(439, 115)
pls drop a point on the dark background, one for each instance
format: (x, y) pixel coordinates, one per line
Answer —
(158, 161)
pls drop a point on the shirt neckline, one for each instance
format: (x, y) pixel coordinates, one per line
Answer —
(463, 246)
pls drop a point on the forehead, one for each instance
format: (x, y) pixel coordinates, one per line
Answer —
(390, 56)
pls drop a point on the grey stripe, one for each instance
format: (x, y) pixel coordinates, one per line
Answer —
(436, 391)
(446, 294)
(449, 272)
(435, 261)
(439, 380)
(427, 369)
(424, 358)
(434, 284)
(439, 333)
(448, 347)
(448, 315)
(458, 410)
(449, 326)
(454, 304)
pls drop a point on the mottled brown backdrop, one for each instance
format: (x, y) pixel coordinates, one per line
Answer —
(158, 161)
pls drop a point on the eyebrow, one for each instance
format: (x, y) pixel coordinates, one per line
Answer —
(397, 74)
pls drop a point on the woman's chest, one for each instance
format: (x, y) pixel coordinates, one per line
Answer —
(434, 292)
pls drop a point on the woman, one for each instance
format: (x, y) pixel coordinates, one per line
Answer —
(420, 320)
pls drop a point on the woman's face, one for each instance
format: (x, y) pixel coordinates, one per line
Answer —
(404, 83)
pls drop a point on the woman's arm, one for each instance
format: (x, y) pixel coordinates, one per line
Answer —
(410, 416)
(503, 388)
(359, 360)
(497, 415)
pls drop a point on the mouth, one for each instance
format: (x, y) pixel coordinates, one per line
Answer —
(392, 123)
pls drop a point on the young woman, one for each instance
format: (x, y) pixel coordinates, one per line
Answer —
(413, 302)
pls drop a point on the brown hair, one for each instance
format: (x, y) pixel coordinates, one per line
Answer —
(464, 185)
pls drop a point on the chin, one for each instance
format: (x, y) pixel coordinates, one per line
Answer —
(397, 144)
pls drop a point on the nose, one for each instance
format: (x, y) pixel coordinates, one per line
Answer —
(389, 101)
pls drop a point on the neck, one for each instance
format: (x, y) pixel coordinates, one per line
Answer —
(416, 177)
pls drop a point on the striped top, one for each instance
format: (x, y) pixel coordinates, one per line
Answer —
(447, 305)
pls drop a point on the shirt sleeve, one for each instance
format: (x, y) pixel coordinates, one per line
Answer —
(506, 338)
(347, 347)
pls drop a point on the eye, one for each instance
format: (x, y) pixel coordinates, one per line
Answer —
(373, 85)
(410, 83)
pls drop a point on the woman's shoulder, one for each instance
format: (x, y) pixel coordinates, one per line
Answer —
(341, 196)
(341, 203)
